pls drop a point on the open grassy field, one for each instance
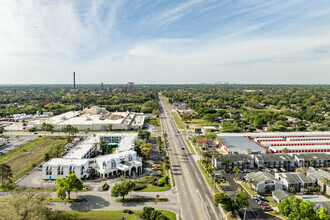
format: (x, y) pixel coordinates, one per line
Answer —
(23, 158)
(113, 215)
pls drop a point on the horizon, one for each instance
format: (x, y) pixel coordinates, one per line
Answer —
(165, 42)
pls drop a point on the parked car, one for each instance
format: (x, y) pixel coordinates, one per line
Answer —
(283, 170)
(268, 170)
(267, 208)
(275, 170)
(263, 205)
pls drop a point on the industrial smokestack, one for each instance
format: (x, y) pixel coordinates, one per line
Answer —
(74, 82)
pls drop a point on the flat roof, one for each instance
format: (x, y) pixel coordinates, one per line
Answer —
(66, 161)
(271, 134)
(240, 144)
(304, 147)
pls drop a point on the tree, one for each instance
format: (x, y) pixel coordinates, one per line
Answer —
(1, 130)
(227, 161)
(87, 131)
(228, 204)
(67, 185)
(210, 136)
(122, 188)
(5, 173)
(237, 171)
(27, 204)
(296, 208)
(109, 127)
(285, 150)
(242, 200)
(146, 149)
(248, 151)
(145, 135)
(92, 173)
(323, 213)
(150, 213)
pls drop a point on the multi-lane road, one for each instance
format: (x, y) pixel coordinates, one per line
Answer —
(195, 198)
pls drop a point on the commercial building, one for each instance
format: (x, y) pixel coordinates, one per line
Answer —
(238, 144)
(299, 142)
(79, 161)
(95, 119)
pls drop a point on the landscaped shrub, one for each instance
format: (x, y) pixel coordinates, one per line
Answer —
(139, 187)
(105, 186)
(128, 211)
(162, 181)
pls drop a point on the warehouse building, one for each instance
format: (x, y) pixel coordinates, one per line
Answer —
(95, 119)
(79, 161)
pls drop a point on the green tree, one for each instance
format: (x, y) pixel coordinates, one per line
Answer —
(295, 208)
(227, 161)
(123, 188)
(27, 204)
(109, 127)
(146, 149)
(145, 135)
(67, 184)
(210, 136)
(285, 150)
(5, 173)
(1, 130)
(323, 213)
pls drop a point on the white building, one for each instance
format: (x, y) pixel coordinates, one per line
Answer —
(123, 160)
(264, 182)
(95, 119)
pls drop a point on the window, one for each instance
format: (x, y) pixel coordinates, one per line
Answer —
(71, 169)
(130, 158)
(113, 163)
(48, 171)
(60, 170)
(82, 170)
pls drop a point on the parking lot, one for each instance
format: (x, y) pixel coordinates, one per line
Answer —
(15, 141)
(254, 211)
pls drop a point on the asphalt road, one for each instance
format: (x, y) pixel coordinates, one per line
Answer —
(195, 198)
(253, 211)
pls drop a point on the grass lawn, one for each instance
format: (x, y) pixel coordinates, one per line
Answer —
(142, 200)
(229, 216)
(247, 188)
(207, 178)
(178, 120)
(190, 147)
(113, 215)
(153, 188)
(271, 201)
(22, 158)
(166, 100)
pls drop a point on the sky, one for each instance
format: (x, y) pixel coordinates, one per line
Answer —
(164, 41)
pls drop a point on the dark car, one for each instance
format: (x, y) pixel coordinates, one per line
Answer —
(183, 148)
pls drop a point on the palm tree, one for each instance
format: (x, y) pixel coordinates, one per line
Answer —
(248, 151)
(243, 163)
(227, 161)
(285, 150)
(237, 171)
(325, 182)
(109, 127)
(310, 161)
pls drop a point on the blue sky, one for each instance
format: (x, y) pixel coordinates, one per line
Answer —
(164, 41)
